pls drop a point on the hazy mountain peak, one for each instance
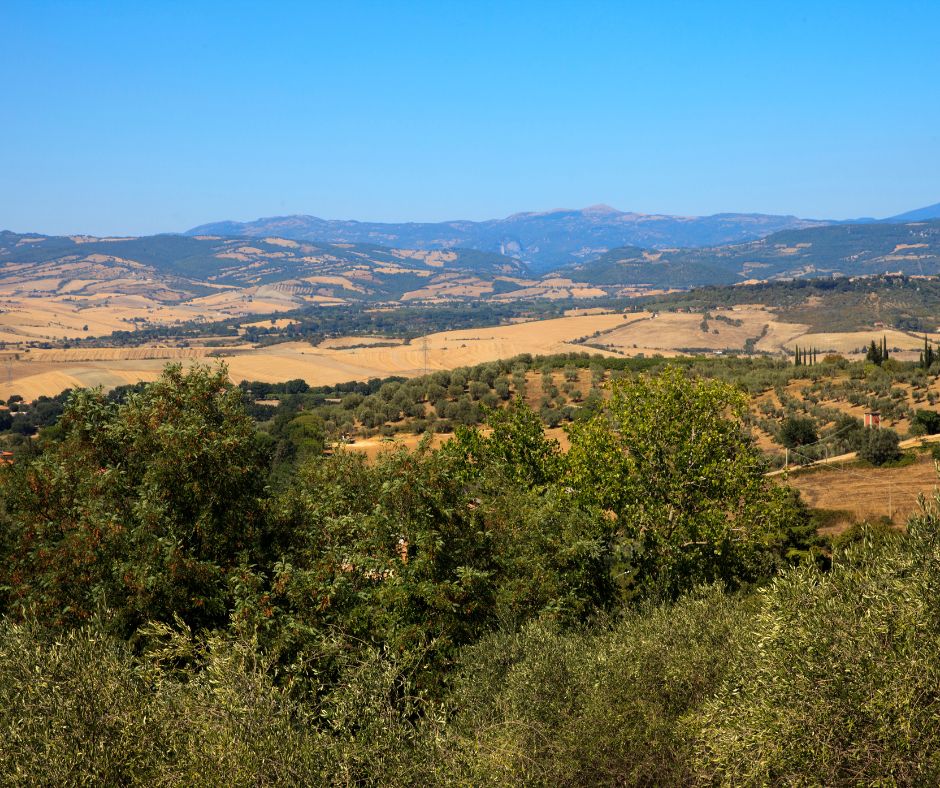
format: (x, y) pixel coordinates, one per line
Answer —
(543, 240)
(600, 208)
(918, 215)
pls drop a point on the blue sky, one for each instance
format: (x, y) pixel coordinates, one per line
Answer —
(147, 117)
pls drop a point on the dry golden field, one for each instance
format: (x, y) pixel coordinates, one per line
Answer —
(867, 493)
(36, 372)
(48, 372)
(679, 330)
(849, 343)
(55, 317)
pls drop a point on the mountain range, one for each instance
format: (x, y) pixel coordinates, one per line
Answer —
(544, 241)
(181, 268)
(177, 268)
(911, 248)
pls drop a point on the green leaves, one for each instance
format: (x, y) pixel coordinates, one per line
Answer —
(146, 505)
(668, 456)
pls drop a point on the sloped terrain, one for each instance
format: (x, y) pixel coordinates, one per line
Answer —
(543, 240)
(194, 265)
(846, 249)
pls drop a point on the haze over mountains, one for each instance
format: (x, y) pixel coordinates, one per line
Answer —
(214, 269)
(544, 241)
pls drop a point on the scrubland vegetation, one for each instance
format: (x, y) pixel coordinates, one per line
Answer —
(646, 608)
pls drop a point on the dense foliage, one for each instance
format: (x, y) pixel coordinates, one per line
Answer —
(645, 608)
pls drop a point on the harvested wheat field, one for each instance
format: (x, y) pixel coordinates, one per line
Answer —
(340, 343)
(851, 343)
(49, 372)
(445, 350)
(727, 329)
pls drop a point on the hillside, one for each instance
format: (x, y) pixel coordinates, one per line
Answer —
(58, 288)
(844, 249)
(543, 240)
(839, 304)
(188, 265)
(918, 215)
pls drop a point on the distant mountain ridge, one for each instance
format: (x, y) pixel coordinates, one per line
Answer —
(177, 268)
(911, 248)
(544, 241)
(919, 215)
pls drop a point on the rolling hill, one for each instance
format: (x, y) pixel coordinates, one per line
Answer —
(176, 267)
(842, 249)
(542, 240)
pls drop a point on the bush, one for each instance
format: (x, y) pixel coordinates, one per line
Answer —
(541, 707)
(880, 447)
(797, 431)
(925, 422)
(835, 683)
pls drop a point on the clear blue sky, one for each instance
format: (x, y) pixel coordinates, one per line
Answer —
(139, 117)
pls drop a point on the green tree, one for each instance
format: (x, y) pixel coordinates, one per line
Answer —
(669, 457)
(797, 431)
(927, 355)
(142, 510)
(880, 447)
(925, 422)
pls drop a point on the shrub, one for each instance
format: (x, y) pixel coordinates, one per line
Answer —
(880, 447)
(835, 683)
(797, 431)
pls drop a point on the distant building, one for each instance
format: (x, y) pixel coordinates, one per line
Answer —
(873, 419)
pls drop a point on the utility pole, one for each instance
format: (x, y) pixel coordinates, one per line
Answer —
(424, 351)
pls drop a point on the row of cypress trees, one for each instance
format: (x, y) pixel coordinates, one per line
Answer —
(804, 356)
(877, 353)
(927, 355)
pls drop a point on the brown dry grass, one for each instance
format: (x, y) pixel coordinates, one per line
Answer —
(49, 372)
(867, 493)
(669, 331)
